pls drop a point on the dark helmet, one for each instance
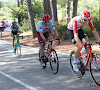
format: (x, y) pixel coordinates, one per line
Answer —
(46, 17)
(14, 23)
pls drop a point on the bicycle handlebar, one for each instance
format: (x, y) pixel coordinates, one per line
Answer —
(51, 41)
(91, 43)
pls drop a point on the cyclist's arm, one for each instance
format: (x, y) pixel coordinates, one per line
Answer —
(19, 31)
(75, 31)
(96, 35)
(55, 32)
(42, 36)
(53, 28)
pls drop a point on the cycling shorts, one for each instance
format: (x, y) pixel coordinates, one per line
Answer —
(81, 35)
(46, 35)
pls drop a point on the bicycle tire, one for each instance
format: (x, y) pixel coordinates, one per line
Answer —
(54, 63)
(77, 75)
(18, 51)
(95, 73)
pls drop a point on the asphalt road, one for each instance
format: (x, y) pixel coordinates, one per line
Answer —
(26, 73)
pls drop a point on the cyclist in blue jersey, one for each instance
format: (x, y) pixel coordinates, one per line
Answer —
(43, 33)
(15, 30)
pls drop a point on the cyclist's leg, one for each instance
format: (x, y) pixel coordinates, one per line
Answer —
(41, 49)
(12, 37)
(77, 51)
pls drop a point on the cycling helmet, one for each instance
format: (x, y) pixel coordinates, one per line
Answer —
(46, 17)
(14, 23)
(85, 14)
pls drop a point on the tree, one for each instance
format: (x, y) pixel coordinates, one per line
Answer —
(74, 13)
(54, 10)
(47, 7)
(68, 10)
(31, 17)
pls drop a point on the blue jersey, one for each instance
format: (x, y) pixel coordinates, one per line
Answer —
(42, 28)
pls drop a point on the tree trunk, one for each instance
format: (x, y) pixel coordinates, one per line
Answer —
(18, 3)
(22, 2)
(18, 14)
(54, 10)
(47, 7)
(74, 13)
(68, 10)
(31, 18)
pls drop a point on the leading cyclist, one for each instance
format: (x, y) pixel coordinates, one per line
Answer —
(77, 34)
(43, 33)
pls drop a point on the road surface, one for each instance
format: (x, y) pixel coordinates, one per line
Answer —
(25, 73)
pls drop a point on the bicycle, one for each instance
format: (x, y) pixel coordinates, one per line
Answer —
(92, 59)
(17, 46)
(50, 55)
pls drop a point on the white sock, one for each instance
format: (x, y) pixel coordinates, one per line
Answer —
(75, 60)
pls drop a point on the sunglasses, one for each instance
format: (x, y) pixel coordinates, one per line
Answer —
(46, 22)
(86, 19)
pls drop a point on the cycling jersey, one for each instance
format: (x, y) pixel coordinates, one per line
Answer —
(42, 28)
(15, 29)
(75, 24)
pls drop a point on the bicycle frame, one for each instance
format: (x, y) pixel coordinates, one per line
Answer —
(90, 56)
(16, 41)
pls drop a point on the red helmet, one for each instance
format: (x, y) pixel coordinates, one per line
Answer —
(46, 17)
(85, 14)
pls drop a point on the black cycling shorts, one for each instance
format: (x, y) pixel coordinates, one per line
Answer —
(15, 33)
(81, 35)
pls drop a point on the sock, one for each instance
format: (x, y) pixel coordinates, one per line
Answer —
(75, 60)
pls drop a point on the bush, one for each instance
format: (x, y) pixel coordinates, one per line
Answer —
(25, 27)
(96, 22)
(88, 31)
(62, 31)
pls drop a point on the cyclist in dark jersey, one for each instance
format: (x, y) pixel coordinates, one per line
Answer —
(15, 30)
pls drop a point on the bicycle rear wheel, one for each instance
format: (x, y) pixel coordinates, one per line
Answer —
(18, 51)
(54, 63)
(78, 75)
(95, 69)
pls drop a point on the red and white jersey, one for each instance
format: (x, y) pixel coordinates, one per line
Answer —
(75, 24)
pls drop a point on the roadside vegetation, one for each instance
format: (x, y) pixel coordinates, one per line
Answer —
(12, 11)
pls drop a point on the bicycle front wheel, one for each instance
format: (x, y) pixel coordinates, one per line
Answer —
(18, 51)
(54, 63)
(95, 69)
(78, 75)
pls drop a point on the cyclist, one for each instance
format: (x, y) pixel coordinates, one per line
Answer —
(76, 33)
(43, 33)
(15, 30)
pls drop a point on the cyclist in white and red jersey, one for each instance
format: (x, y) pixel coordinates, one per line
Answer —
(77, 34)
(43, 33)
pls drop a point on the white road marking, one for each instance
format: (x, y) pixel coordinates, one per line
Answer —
(18, 81)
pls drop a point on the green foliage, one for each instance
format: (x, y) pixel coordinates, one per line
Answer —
(61, 3)
(1, 4)
(88, 31)
(62, 31)
(37, 8)
(96, 22)
(62, 15)
(22, 11)
(25, 27)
